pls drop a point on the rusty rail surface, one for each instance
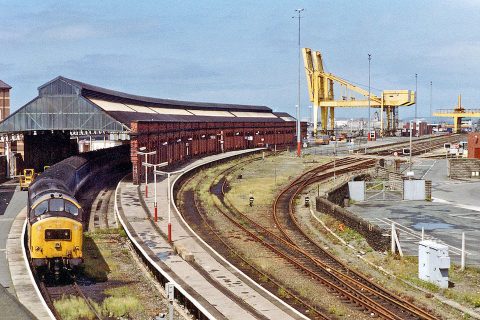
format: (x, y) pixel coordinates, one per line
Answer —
(294, 246)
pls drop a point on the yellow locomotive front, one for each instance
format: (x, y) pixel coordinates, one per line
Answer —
(55, 232)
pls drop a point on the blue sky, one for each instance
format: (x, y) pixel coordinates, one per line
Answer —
(242, 51)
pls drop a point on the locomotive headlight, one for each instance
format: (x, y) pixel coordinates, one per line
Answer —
(39, 228)
(37, 248)
(75, 227)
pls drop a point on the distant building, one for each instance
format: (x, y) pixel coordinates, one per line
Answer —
(474, 145)
(4, 100)
(420, 128)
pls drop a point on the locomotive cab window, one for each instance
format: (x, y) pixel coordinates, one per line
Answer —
(71, 208)
(41, 208)
(57, 205)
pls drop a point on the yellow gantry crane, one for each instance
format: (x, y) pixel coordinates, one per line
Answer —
(321, 91)
(458, 113)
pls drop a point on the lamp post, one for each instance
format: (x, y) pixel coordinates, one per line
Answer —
(155, 166)
(299, 141)
(410, 151)
(146, 154)
(416, 94)
(368, 129)
(169, 196)
(431, 97)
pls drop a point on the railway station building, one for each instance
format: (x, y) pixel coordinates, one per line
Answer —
(67, 113)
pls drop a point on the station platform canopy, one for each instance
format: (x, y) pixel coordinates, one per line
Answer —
(78, 108)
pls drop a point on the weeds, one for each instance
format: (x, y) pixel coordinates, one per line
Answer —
(72, 308)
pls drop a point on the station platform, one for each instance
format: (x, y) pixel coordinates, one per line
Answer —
(219, 287)
(18, 299)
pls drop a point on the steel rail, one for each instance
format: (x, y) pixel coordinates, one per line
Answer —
(313, 173)
(362, 281)
(199, 209)
(355, 295)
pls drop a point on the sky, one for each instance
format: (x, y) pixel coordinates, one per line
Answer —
(243, 51)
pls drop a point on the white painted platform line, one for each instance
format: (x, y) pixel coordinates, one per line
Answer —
(172, 203)
(22, 277)
(165, 274)
(30, 274)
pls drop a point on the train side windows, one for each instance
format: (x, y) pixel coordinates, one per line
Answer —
(71, 208)
(57, 205)
(41, 208)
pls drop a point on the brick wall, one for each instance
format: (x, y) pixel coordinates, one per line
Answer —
(463, 168)
(4, 103)
(372, 233)
(177, 142)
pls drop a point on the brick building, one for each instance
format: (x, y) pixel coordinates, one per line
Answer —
(4, 100)
(474, 145)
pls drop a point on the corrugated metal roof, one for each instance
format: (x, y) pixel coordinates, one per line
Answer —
(91, 91)
(129, 117)
(65, 104)
(3, 85)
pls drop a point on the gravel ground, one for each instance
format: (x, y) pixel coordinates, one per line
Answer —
(258, 179)
(112, 270)
(253, 181)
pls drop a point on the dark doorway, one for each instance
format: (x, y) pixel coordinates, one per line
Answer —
(47, 148)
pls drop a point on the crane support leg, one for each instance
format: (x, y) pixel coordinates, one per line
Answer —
(389, 120)
(332, 119)
(324, 119)
(457, 125)
(315, 120)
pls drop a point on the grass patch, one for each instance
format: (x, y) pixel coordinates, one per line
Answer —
(336, 311)
(120, 306)
(282, 293)
(120, 303)
(95, 266)
(72, 308)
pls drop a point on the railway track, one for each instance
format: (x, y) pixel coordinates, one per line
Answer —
(56, 292)
(210, 231)
(387, 304)
(299, 250)
(419, 146)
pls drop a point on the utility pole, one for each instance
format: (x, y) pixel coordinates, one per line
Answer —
(416, 94)
(431, 97)
(368, 129)
(410, 151)
(299, 140)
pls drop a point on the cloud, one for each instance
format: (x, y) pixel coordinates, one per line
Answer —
(72, 32)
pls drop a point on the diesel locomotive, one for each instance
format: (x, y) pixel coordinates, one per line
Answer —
(56, 218)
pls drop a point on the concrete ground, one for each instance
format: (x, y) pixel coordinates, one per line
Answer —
(11, 203)
(455, 209)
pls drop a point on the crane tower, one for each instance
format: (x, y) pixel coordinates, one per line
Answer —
(321, 92)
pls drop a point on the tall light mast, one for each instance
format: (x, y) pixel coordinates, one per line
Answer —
(299, 140)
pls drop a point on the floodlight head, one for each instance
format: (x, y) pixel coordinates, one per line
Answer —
(142, 149)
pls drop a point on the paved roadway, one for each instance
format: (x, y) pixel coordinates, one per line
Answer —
(455, 209)
(11, 203)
